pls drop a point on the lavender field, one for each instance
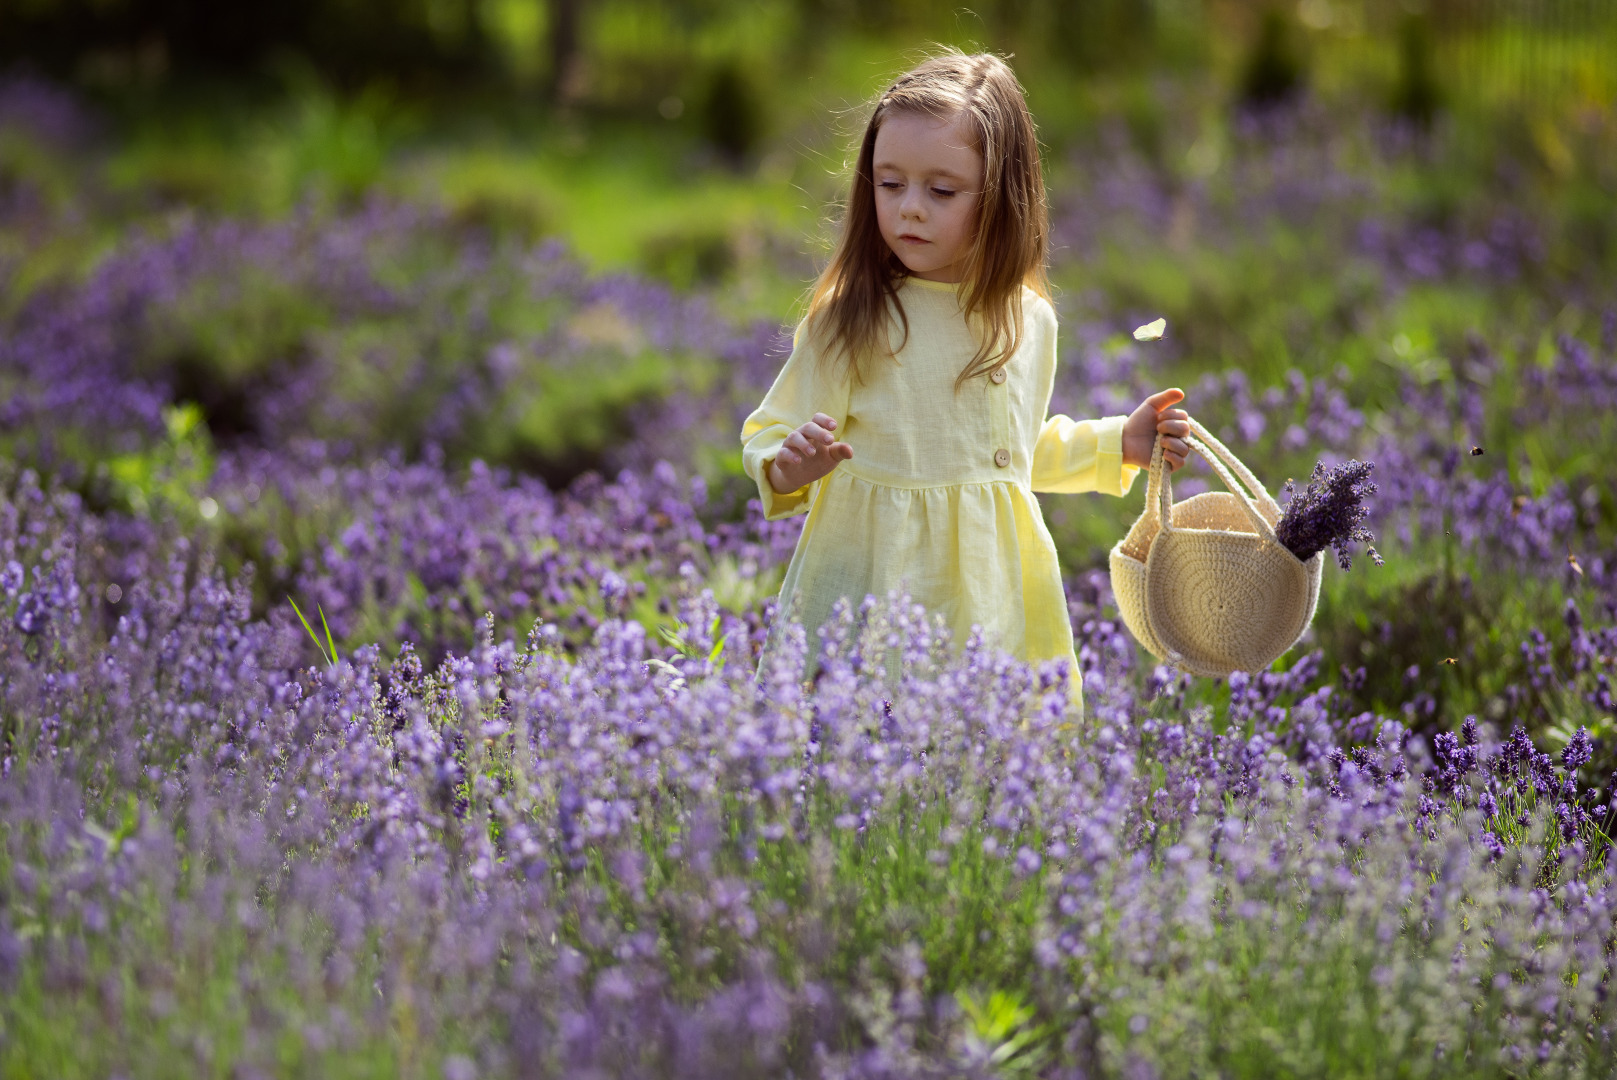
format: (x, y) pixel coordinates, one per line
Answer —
(531, 810)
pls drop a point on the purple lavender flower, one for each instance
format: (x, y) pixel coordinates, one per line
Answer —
(1330, 513)
(568, 847)
(1578, 752)
(32, 614)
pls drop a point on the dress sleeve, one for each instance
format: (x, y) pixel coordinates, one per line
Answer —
(1073, 456)
(802, 389)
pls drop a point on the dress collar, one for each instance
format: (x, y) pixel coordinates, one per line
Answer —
(930, 286)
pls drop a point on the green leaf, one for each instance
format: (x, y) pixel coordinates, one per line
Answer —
(329, 642)
(331, 657)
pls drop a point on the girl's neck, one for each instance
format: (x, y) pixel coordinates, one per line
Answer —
(934, 286)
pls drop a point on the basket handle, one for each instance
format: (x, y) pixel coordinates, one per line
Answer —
(1222, 461)
(1265, 501)
(1155, 478)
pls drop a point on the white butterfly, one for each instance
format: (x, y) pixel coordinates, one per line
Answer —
(1151, 331)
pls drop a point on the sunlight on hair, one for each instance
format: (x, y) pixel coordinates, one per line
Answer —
(855, 299)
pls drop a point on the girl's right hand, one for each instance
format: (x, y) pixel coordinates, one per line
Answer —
(1156, 416)
(808, 454)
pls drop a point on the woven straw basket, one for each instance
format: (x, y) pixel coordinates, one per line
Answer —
(1205, 585)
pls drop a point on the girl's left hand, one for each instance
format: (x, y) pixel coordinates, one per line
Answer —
(1154, 417)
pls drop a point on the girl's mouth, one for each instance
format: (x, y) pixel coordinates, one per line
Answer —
(908, 239)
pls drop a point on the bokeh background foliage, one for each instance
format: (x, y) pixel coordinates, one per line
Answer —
(440, 317)
(612, 122)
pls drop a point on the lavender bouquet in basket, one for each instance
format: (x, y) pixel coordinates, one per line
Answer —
(1330, 512)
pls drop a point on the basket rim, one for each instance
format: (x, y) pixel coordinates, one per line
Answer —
(1254, 537)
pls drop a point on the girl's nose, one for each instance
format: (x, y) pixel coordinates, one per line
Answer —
(911, 206)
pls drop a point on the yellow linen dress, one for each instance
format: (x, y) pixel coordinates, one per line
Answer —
(938, 498)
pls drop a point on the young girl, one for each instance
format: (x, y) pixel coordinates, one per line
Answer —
(909, 422)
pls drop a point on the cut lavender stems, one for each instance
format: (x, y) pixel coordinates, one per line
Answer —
(1329, 513)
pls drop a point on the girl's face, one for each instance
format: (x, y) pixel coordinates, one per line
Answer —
(928, 178)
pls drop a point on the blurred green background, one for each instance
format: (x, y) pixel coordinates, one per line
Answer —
(700, 141)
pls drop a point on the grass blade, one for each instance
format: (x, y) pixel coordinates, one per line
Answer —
(330, 659)
(327, 629)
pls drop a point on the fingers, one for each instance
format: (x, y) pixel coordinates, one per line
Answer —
(808, 440)
(812, 436)
(1177, 426)
(824, 421)
(816, 435)
(1162, 399)
(798, 446)
(1173, 425)
(835, 452)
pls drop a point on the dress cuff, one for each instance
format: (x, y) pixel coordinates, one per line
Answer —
(777, 505)
(1112, 477)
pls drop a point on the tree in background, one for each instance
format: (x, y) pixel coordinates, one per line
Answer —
(350, 41)
(1416, 96)
(1274, 72)
(566, 59)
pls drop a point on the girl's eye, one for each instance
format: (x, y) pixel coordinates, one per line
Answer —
(890, 184)
(942, 193)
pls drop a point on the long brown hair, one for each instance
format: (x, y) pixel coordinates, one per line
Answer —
(848, 308)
